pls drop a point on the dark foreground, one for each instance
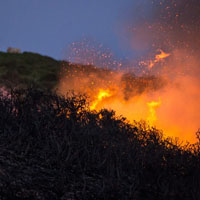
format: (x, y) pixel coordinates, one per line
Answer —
(54, 148)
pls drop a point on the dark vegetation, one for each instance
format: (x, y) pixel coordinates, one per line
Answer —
(29, 69)
(53, 147)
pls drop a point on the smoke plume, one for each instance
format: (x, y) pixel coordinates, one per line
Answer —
(167, 32)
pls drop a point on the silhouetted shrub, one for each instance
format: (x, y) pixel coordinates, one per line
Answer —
(54, 147)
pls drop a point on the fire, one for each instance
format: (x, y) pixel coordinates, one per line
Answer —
(161, 56)
(172, 27)
(139, 97)
(152, 112)
(102, 94)
(158, 58)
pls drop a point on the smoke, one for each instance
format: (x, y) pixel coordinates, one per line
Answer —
(89, 79)
(170, 27)
(165, 24)
(173, 26)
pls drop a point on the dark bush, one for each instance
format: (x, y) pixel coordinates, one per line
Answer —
(53, 147)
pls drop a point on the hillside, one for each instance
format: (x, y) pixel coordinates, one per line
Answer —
(28, 68)
(54, 147)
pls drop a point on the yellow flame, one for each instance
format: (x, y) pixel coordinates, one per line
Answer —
(152, 111)
(101, 95)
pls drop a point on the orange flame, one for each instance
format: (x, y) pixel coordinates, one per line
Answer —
(152, 112)
(158, 58)
(131, 96)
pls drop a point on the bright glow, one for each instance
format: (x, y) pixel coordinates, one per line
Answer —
(152, 111)
(101, 95)
(139, 98)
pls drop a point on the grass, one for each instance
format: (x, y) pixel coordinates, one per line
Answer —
(54, 147)
(29, 68)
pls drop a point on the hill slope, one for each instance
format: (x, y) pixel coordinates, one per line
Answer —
(22, 70)
(53, 147)
(28, 68)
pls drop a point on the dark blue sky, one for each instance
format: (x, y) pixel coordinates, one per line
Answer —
(49, 26)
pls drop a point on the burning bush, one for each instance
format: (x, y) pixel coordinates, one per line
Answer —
(54, 147)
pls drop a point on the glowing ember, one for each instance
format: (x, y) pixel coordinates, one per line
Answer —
(158, 58)
(161, 56)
